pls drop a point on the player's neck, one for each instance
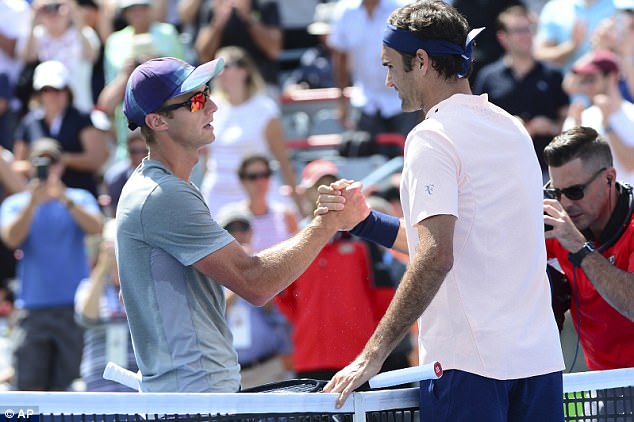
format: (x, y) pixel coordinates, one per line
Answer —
(443, 90)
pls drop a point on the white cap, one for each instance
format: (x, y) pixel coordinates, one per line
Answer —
(123, 4)
(322, 18)
(50, 73)
(234, 211)
(624, 4)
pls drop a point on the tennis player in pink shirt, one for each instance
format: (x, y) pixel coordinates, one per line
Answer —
(471, 192)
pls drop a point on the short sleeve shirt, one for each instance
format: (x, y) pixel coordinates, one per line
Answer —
(175, 313)
(492, 314)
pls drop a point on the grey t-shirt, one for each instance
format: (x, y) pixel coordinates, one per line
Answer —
(176, 314)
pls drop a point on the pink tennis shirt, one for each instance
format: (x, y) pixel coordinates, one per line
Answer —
(492, 315)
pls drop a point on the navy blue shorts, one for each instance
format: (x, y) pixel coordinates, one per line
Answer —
(462, 396)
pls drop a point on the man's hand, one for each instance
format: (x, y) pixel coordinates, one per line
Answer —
(564, 230)
(351, 377)
(344, 196)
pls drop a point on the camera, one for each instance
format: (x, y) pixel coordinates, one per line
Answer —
(41, 167)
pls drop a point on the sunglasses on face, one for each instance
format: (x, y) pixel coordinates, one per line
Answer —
(252, 177)
(195, 103)
(574, 192)
(137, 151)
(51, 8)
(238, 226)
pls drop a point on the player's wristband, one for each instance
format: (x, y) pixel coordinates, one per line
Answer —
(379, 228)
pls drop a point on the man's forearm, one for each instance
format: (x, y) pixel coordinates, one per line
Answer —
(417, 289)
(15, 233)
(613, 284)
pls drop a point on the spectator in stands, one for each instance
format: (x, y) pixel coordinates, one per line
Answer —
(261, 335)
(17, 12)
(84, 147)
(527, 88)
(7, 316)
(116, 176)
(99, 311)
(591, 237)
(596, 75)
(94, 13)
(247, 122)
(59, 33)
(11, 181)
(334, 306)
(143, 38)
(272, 221)
(355, 38)
(48, 222)
(315, 64)
(566, 28)
(254, 26)
(295, 18)
(617, 35)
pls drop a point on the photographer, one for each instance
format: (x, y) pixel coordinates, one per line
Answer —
(592, 238)
(48, 222)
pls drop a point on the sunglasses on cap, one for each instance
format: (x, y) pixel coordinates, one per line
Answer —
(252, 177)
(574, 192)
(195, 103)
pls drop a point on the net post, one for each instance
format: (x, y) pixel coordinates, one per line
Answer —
(359, 407)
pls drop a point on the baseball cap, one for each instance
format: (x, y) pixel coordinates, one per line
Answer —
(317, 169)
(128, 3)
(50, 73)
(46, 146)
(233, 212)
(157, 80)
(322, 18)
(596, 61)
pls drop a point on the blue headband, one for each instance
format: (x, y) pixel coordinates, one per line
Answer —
(407, 42)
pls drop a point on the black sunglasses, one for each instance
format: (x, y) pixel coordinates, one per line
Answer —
(574, 192)
(252, 177)
(195, 103)
(238, 226)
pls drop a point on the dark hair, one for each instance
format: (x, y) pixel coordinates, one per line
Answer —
(579, 142)
(250, 159)
(518, 10)
(433, 19)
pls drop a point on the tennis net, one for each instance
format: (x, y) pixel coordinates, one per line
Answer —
(600, 396)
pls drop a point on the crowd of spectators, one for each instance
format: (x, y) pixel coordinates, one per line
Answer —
(66, 149)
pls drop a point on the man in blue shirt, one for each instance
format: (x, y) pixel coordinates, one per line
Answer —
(48, 222)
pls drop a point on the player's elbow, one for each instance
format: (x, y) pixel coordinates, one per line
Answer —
(442, 263)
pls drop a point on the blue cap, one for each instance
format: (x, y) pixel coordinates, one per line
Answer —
(154, 82)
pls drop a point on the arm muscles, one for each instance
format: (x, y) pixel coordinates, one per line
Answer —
(612, 283)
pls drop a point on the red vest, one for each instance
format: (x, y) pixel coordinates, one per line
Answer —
(333, 307)
(606, 336)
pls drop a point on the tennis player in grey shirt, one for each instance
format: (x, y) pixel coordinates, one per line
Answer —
(174, 259)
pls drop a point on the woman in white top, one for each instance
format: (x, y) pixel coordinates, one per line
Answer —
(247, 122)
(272, 221)
(58, 33)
